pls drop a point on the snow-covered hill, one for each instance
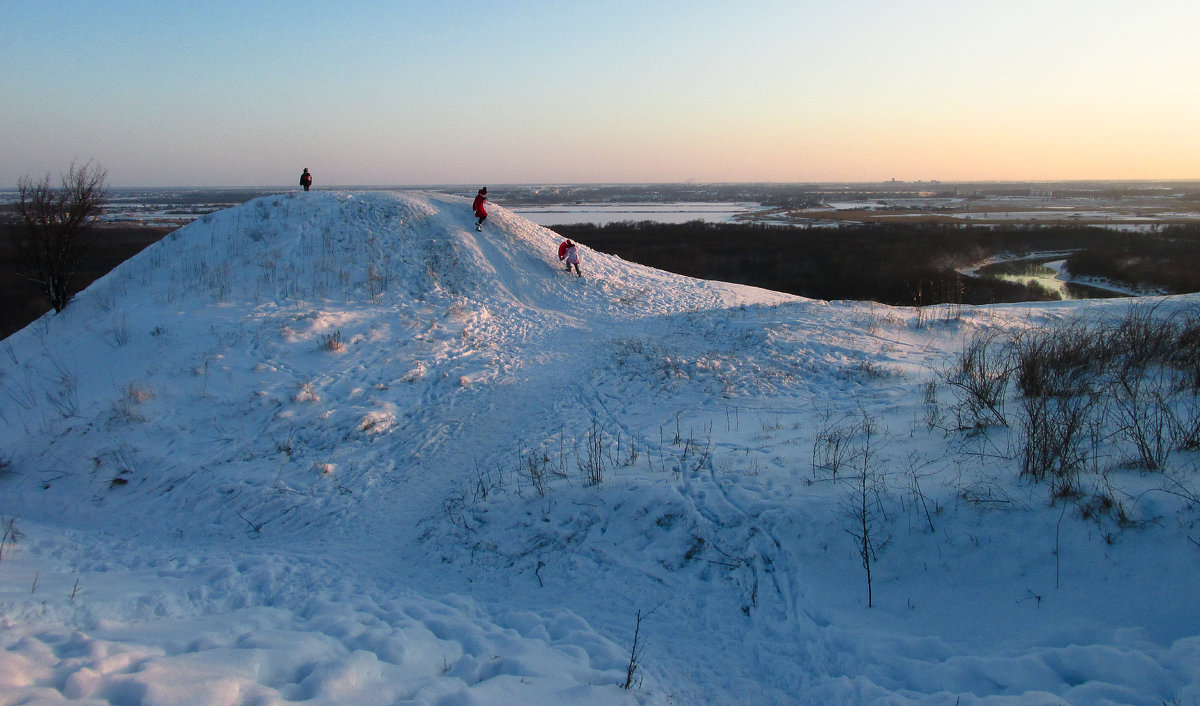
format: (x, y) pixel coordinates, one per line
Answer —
(340, 448)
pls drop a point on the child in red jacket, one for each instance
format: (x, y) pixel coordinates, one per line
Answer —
(480, 212)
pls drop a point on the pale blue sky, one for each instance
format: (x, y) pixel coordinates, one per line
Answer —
(459, 91)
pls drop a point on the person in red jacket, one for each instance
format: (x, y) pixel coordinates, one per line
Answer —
(306, 179)
(478, 207)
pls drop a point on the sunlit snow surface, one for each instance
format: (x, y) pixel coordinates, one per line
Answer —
(334, 448)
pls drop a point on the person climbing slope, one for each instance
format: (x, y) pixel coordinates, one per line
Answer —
(478, 207)
(572, 257)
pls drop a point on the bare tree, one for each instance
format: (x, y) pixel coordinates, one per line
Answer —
(57, 238)
(863, 505)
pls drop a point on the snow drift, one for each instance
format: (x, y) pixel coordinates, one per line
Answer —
(341, 448)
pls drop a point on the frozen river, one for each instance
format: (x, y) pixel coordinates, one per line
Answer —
(605, 213)
(179, 206)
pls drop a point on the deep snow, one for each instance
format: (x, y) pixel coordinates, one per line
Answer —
(334, 448)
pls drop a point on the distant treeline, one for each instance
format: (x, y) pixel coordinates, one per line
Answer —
(1168, 259)
(20, 300)
(892, 263)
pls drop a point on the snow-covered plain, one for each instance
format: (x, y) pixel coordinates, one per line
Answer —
(339, 448)
(605, 213)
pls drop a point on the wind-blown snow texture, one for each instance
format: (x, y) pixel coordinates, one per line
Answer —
(335, 448)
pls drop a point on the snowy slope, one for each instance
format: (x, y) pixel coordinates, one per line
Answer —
(341, 448)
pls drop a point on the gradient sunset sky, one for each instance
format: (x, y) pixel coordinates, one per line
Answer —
(166, 93)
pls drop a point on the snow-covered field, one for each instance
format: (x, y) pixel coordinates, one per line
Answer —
(606, 213)
(339, 448)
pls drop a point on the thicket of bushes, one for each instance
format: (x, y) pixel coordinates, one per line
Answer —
(895, 263)
(1088, 395)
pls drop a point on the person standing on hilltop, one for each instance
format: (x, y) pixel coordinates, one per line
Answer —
(478, 207)
(306, 179)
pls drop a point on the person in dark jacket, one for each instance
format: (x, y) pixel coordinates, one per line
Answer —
(478, 207)
(306, 179)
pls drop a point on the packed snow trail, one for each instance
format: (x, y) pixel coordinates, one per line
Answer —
(342, 448)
